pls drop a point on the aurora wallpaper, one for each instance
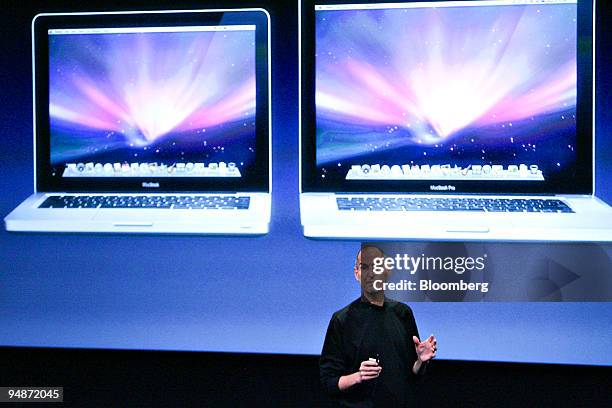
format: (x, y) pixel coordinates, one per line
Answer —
(152, 97)
(486, 85)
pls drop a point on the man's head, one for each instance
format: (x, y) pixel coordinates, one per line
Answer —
(364, 268)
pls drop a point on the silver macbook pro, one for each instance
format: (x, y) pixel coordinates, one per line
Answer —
(449, 120)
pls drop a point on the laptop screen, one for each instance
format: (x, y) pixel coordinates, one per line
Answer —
(152, 101)
(175, 101)
(455, 91)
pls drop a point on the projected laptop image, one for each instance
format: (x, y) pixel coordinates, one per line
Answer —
(449, 120)
(150, 122)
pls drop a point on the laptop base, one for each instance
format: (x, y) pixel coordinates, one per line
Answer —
(254, 221)
(592, 222)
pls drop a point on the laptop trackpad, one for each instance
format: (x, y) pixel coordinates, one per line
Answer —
(130, 218)
(133, 224)
(455, 223)
(482, 229)
(477, 229)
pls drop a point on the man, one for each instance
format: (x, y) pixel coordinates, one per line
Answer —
(372, 354)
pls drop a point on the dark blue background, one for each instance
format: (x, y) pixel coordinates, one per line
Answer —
(268, 294)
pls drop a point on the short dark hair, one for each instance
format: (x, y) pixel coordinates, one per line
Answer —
(366, 246)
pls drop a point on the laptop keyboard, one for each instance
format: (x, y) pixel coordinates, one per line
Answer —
(453, 204)
(162, 201)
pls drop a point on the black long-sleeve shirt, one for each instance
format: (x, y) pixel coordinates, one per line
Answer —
(361, 331)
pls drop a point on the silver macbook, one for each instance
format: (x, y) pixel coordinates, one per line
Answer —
(449, 120)
(150, 122)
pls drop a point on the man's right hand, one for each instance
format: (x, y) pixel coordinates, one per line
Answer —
(368, 370)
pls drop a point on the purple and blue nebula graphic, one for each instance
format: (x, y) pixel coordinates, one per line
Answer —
(164, 97)
(434, 85)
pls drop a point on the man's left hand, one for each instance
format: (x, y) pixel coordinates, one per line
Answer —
(426, 350)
